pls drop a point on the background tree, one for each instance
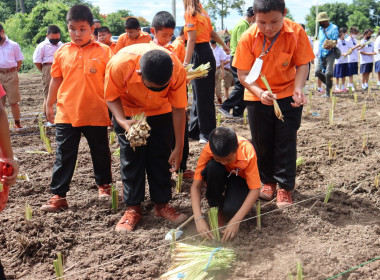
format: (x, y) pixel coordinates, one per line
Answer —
(143, 21)
(115, 23)
(221, 8)
(358, 19)
(289, 15)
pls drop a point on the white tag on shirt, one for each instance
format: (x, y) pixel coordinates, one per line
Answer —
(255, 71)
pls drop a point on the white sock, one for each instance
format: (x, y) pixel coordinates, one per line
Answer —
(378, 83)
(337, 87)
(343, 87)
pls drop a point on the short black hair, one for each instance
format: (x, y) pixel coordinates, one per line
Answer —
(1, 27)
(342, 30)
(80, 12)
(368, 30)
(53, 29)
(250, 12)
(212, 42)
(104, 29)
(131, 23)
(162, 20)
(266, 6)
(156, 67)
(303, 25)
(96, 31)
(354, 30)
(226, 40)
(223, 141)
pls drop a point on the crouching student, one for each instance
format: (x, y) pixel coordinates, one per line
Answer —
(228, 167)
(147, 78)
(77, 86)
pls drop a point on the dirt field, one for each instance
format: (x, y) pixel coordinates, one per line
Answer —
(327, 239)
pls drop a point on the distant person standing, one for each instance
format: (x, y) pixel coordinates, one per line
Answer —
(235, 100)
(43, 57)
(228, 78)
(198, 32)
(353, 58)
(325, 67)
(10, 63)
(377, 57)
(97, 23)
(341, 64)
(367, 52)
(220, 59)
(133, 34)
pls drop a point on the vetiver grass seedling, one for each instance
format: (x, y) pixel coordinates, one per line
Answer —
(364, 142)
(377, 179)
(218, 119)
(179, 181)
(300, 161)
(328, 194)
(277, 109)
(112, 137)
(308, 107)
(355, 98)
(245, 115)
(331, 152)
(331, 117)
(58, 266)
(114, 198)
(258, 214)
(213, 220)
(43, 136)
(28, 212)
(363, 111)
(299, 271)
(334, 100)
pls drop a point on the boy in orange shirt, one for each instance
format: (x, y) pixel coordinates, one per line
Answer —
(227, 164)
(104, 36)
(148, 78)
(282, 45)
(77, 86)
(163, 25)
(179, 45)
(132, 35)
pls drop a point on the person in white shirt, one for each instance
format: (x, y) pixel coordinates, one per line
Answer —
(377, 57)
(220, 58)
(353, 58)
(10, 63)
(228, 78)
(366, 57)
(341, 64)
(43, 57)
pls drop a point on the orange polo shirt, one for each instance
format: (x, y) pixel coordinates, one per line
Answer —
(201, 23)
(123, 80)
(179, 48)
(113, 47)
(124, 40)
(292, 48)
(245, 164)
(80, 98)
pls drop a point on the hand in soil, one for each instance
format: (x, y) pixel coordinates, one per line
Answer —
(231, 231)
(204, 230)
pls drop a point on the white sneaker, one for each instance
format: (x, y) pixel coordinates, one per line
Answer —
(202, 141)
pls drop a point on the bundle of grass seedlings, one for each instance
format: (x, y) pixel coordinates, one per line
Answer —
(198, 262)
(200, 72)
(139, 132)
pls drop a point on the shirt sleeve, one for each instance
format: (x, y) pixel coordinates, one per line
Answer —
(239, 31)
(335, 33)
(177, 95)
(120, 43)
(19, 55)
(190, 22)
(114, 81)
(244, 57)
(304, 52)
(37, 55)
(204, 158)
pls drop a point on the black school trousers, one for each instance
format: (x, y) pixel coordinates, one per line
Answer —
(68, 138)
(224, 190)
(150, 160)
(2, 275)
(275, 141)
(202, 113)
(235, 100)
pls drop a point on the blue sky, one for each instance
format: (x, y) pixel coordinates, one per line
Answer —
(147, 8)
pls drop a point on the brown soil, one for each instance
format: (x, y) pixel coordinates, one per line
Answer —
(327, 239)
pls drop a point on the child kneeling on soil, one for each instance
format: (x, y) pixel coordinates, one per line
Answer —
(78, 87)
(228, 166)
(6, 157)
(148, 78)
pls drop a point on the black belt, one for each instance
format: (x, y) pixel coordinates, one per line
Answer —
(8, 70)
